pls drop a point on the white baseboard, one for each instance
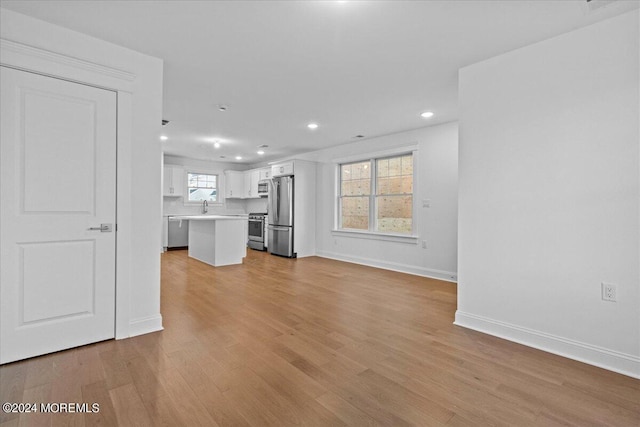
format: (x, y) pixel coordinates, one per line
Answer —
(621, 363)
(447, 276)
(145, 325)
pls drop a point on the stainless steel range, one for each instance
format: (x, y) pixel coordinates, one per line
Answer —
(256, 231)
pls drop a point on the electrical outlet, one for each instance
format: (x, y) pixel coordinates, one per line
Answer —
(609, 292)
(424, 244)
(426, 203)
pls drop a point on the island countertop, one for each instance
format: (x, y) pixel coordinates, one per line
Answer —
(206, 217)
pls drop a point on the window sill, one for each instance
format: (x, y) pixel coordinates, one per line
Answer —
(371, 235)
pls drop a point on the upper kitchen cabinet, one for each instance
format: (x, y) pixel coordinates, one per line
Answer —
(173, 181)
(251, 179)
(242, 185)
(265, 173)
(282, 169)
(234, 185)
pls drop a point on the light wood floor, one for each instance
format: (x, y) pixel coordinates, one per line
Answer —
(314, 342)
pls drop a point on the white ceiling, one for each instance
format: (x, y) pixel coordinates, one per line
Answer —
(355, 68)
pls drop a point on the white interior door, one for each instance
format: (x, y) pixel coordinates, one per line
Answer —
(58, 186)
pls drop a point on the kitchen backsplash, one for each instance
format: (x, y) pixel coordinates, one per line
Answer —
(175, 206)
(256, 205)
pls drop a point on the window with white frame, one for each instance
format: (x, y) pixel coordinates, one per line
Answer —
(376, 195)
(202, 187)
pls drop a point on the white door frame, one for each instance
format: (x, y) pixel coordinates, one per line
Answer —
(32, 59)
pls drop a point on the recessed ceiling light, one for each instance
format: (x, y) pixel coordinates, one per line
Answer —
(216, 145)
(261, 152)
(164, 137)
(238, 157)
(222, 107)
(426, 115)
(312, 126)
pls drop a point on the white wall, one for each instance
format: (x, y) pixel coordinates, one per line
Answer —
(139, 190)
(549, 194)
(437, 171)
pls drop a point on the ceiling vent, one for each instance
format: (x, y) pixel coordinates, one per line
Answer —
(594, 5)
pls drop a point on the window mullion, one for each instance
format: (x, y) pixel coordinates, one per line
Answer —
(340, 196)
(372, 196)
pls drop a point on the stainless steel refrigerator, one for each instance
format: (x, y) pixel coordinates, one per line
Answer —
(280, 229)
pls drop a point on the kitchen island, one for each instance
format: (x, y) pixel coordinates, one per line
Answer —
(217, 239)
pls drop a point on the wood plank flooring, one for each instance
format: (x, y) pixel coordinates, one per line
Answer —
(313, 342)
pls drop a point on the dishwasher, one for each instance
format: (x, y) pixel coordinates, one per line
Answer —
(178, 234)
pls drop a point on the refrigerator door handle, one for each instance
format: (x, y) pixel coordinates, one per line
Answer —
(273, 201)
(277, 228)
(278, 198)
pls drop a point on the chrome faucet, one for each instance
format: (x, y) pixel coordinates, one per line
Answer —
(205, 206)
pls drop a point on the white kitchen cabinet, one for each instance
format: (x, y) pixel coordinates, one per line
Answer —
(173, 181)
(251, 179)
(242, 185)
(264, 173)
(234, 185)
(217, 239)
(246, 189)
(282, 169)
